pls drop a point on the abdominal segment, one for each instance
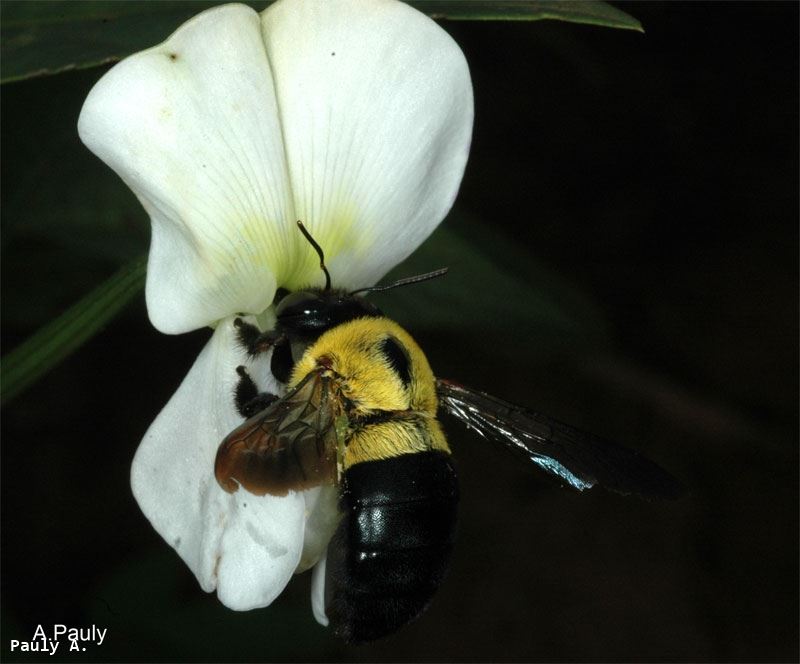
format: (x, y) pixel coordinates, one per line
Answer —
(391, 550)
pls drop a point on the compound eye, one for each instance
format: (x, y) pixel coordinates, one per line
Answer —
(299, 303)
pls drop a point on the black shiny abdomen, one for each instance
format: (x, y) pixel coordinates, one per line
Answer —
(392, 547)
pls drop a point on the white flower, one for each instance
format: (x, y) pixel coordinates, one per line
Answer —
(353, 116)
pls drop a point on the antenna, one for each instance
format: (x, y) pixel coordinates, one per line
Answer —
(405, 282)
(318, 249)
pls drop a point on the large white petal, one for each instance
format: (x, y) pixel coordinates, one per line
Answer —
(246, 547)
(373, 114)
(376, 107)
(192, 127)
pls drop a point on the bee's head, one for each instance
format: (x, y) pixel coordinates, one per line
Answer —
(310, 311)
(377, 364)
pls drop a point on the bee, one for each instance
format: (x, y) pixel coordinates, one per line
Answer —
(361, 413)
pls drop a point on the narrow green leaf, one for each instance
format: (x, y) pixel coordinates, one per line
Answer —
(58, 339)
(52, 36)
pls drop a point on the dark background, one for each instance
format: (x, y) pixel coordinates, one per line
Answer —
(636, 195)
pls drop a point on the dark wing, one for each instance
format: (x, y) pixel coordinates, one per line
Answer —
(290, 445)
(580, 459)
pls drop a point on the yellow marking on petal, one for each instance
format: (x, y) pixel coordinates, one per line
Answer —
(278, 247)
(337, 233)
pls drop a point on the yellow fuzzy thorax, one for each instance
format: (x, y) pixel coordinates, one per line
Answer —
(368, 384)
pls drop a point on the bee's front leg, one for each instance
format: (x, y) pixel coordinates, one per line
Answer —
(254, 340)
(249, 401)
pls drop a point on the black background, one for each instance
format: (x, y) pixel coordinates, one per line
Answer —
(655, 175)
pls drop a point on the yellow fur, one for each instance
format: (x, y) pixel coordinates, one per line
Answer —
(368, 384)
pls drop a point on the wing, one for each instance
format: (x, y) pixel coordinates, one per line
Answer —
(578, 458)
(290, 445)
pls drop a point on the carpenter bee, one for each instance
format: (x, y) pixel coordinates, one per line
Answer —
(361, 413)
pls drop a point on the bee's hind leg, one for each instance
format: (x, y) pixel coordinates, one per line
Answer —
(247, 398)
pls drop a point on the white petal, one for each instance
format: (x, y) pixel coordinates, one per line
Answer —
(260, 549)
(192, 127)
(376, 109)
(318, 592)
(322, 517)
(245, 546)
(373, 113)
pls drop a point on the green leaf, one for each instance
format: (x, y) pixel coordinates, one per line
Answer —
(59, 338)
(52, 36)
(592, 12)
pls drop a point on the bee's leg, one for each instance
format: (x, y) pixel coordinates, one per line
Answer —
(254, 340)
(248, 399)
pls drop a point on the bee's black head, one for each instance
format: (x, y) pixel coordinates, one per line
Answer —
(312, 311)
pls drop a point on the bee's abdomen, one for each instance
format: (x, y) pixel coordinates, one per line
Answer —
(392, 547)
